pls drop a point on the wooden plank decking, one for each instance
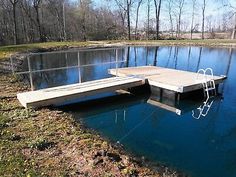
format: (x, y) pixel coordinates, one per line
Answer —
(170, 79)
(61, 94)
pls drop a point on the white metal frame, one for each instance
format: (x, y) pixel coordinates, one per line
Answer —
(209, 87)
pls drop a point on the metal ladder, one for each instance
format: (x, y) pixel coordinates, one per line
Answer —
(209, 90)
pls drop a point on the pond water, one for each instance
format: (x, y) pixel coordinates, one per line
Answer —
(204, 147)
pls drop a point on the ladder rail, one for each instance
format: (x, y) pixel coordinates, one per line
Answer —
(209, 87)
(199, 73)
(210, 71)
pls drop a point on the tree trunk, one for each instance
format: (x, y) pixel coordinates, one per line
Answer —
(15, 26)
(24, 26)
(203, 17)
(179, 22)
(180, 6)
(36, 7)
(192, 21)
(148, 20)
(170, 17)
(158, 10)
(128, 18)
(64, 21)
(137, 18)
(39, 25)
(15, 32)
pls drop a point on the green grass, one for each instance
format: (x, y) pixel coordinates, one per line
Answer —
(7, 51)
(12, 161)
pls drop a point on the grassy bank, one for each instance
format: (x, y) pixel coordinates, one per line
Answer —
(7, 51)
(49, 142)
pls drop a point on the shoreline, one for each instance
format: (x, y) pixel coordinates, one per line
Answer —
(8, 51)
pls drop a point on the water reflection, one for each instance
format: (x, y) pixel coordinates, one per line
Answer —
(202, 110)
(49, 70)
(54, 69)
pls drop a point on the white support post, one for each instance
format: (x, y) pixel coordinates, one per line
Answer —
(80, 79)
(117, 56)
(30, 73)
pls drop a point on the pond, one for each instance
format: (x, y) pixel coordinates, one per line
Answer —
(204, 147)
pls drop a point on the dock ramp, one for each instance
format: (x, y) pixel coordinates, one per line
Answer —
(62, 94)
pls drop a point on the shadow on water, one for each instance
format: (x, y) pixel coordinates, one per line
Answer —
(147, 126)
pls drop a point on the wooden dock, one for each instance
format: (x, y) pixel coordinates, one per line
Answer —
(61, 94)
(168, 83)
(164, 78)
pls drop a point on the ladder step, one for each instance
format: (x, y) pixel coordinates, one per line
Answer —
(209, 89)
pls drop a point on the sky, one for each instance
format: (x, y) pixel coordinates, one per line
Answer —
(213, 11)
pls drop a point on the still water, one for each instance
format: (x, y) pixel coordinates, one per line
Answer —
(204, 147)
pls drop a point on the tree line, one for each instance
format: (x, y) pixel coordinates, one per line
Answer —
(27, 21)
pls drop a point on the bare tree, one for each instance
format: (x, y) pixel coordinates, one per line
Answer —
(180, 6)
(36, 5)
(84, 13)
(192, 20)
(126, 6)
(231, 9)
(148, 19)
(137, 17)
(128, 17)
(122, 14)
(158, 11)
(170, 9)
(55, 10)
(4, 25)
(14, 3)
(41, 20)
(203, 17)
(64, 21)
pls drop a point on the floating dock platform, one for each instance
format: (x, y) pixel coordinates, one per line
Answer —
(165, 78)
(164, 82)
